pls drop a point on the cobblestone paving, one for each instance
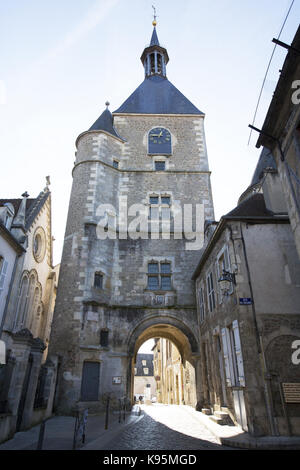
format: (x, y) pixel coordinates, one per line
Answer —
(165, 427)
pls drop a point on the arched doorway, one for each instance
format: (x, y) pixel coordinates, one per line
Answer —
(180, 379)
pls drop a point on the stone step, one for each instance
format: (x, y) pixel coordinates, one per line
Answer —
(206, 411)
(221, 417)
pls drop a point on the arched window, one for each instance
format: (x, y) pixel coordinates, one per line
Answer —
(33, 320)
(21, 305)
(29, 299)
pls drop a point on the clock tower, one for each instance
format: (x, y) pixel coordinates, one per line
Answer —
(140, 195)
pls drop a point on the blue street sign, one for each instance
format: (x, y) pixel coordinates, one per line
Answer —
(245, 301)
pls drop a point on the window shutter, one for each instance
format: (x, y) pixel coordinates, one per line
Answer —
(218, 275)
(2, 275)
(226, 353)
(238, 353)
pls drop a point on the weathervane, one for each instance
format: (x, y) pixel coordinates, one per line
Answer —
(154, 16)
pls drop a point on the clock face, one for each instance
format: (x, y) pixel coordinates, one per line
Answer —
(159, 141)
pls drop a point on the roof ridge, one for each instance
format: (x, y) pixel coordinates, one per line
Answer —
(35, 207)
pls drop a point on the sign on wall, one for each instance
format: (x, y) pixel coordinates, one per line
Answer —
(117, 380)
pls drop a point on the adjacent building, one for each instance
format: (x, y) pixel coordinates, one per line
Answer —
(176, 382)
(144, 382)
(27, 296)
(248, 297)
(281, 133)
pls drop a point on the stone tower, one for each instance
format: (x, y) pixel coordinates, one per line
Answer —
(141, 192)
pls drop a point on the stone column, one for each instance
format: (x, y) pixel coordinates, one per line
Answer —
(52, 369)
(37, 350)
(22, 342)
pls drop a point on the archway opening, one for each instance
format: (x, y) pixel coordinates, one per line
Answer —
(163, 367)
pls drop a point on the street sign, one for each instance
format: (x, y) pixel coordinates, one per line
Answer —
(245, 301)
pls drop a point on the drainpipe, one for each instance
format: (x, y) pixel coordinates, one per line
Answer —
(265, 376)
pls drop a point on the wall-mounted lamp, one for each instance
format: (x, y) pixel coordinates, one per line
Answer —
(226, 281)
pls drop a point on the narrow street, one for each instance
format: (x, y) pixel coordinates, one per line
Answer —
(165, 427)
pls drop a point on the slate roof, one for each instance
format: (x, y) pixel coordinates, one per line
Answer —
(149, 364)
(105, 123)
(156, 95)
(254, 206)
(266, 160)
(154, 39)
(33, 206)
(252, 210)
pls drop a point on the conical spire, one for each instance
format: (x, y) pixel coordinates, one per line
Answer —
(154, 38)
(155, 57)
(105, 123)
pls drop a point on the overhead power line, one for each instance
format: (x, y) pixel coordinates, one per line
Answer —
(264, 80)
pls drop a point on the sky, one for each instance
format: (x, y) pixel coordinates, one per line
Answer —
(60, 61)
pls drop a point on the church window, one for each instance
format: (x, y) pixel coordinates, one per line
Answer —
(39, 244)
(115, 164)
(98, 280)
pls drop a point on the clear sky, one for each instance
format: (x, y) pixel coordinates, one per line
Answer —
(61, 60)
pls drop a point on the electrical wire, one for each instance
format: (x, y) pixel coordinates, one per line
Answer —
(264, 80)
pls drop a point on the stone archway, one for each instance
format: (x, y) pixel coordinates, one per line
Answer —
(180, 335)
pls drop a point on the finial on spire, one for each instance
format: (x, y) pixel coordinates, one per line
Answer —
(107, 103)
(154, 22)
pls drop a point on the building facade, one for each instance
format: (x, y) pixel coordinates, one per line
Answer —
(281, 133)
(249, 324)
(127, 257)
(27, 298)
(176, 382)
(144, 382)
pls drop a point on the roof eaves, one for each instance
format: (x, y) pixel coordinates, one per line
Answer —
(11, 239)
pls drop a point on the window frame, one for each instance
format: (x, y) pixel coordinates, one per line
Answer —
(160, 274)
(100, 275)
(201, 301)
(211, 298)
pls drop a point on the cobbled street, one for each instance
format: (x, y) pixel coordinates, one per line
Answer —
(165, 427)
